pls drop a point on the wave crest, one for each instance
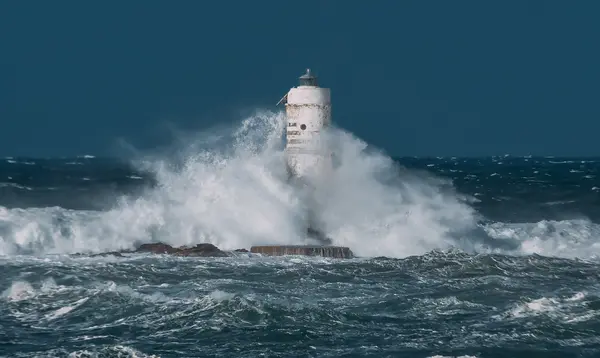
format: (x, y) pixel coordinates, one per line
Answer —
(230, 188)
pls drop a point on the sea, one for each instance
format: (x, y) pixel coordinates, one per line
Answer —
(456, 257)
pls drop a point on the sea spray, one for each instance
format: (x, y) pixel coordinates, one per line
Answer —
(229, 187)
(232, 190)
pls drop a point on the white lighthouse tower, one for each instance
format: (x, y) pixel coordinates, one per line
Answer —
(309, 160)
(308, 109)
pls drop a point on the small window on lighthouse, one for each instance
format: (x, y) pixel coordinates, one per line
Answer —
(303, 126)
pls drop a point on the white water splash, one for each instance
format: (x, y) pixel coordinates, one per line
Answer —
(230, 188)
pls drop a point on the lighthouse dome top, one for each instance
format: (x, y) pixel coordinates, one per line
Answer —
(308, 79)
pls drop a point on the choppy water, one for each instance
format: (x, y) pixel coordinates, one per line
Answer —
(487, 257)
(449, 304)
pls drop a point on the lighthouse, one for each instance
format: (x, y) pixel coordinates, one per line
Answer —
(308, 159)
(308, 113)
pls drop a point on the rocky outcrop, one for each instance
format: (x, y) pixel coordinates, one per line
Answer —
(210, 250)
(111, 253)
(102, 254)
(200, 250)
(157, 248)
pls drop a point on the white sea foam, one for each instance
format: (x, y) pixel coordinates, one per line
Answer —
(230, 188)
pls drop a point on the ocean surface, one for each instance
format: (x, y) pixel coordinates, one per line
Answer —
(458, 257)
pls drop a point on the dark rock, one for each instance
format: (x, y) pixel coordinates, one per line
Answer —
(201, 250)
(101, 254)
(104, 254)
(157, 248)
(241, 250)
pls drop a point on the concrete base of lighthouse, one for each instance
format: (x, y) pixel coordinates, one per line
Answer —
(339, 252)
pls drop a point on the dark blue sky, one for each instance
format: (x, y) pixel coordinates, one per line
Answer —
(412, 77)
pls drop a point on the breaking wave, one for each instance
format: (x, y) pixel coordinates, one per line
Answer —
(230, 188)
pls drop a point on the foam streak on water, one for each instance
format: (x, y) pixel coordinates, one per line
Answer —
(447, 304)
